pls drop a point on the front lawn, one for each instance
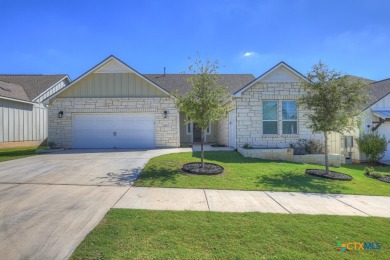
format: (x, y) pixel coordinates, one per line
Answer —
(254, 174)
(16, 153)
(140, 234)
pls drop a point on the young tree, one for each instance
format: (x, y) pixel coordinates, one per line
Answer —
(373, 146)
(334, 101)
(203, 104)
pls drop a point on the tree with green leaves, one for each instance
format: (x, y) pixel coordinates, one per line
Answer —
(373, 146)
(204, 103)
(334, 101)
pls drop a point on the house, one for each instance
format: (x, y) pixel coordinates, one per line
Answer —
(375, 117)
(23, 117)
(113, 105)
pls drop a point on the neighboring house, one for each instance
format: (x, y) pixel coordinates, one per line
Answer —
(375, 117)
(23, 117)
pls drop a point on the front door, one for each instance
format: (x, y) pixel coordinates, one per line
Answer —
(197, 134)
(232, 129)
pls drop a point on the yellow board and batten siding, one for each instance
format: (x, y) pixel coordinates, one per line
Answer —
(112, 85)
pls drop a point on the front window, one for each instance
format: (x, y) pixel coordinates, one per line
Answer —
(270, 117)
(289, 117)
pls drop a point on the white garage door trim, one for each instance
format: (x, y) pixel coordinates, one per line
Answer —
(115, 130)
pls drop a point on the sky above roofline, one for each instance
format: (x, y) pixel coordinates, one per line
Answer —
(53, 37)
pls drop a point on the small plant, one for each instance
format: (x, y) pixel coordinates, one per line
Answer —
(315, 146)
(373, 146)
(52, 145)
(370, 172)
(247, 146)
(308, 146)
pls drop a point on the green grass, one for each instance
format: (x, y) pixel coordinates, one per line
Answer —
(16, 153)
(254, 174)
(139, 234)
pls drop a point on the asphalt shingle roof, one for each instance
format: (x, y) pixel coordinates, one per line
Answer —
(171, 82)
(14, 91)
(33, 85)
(378, 90)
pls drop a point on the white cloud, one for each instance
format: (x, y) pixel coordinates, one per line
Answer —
(249, 54)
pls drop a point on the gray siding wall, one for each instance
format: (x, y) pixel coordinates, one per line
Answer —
(184, 137)
(108, 85)
(22, 122)
(223, 131)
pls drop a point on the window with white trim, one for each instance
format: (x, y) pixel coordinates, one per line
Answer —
(270, 117)
(289, 118)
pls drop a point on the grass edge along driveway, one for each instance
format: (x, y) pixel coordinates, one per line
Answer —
(8, 154)
(142, 234)
(255, 174)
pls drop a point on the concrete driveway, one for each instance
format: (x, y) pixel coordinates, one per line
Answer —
(49, 203)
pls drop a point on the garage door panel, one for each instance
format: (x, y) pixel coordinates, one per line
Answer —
(113, 131)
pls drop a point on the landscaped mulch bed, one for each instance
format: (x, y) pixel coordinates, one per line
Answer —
(385, 178)
(209, 168)
(331, 175)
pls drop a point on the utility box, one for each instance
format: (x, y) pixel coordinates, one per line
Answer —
(348, 160)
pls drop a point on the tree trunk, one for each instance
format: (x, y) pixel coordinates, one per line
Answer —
(326, 153)
(201, 148)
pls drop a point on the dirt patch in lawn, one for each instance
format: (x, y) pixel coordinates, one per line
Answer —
(331, 175)
(209, 168)
(385, 178)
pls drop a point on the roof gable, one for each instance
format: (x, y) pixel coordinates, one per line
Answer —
(114, 66)
(110, 65)
(281, 72)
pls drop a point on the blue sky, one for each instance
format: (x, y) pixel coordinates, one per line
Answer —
(245, 36)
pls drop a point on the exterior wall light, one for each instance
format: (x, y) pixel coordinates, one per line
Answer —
(165, 113)
(60, 114)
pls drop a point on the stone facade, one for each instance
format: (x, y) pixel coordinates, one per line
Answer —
(287, 155)
(167, 129)
(249, 115)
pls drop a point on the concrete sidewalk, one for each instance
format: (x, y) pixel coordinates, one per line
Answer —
(254, 201)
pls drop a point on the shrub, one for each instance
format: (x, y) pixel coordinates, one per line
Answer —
(246, 146)
(308, 146)
(315, 146)
(370, 172)
(373, 146)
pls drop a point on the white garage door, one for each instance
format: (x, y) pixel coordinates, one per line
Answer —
(113, 131)
(384, 129)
